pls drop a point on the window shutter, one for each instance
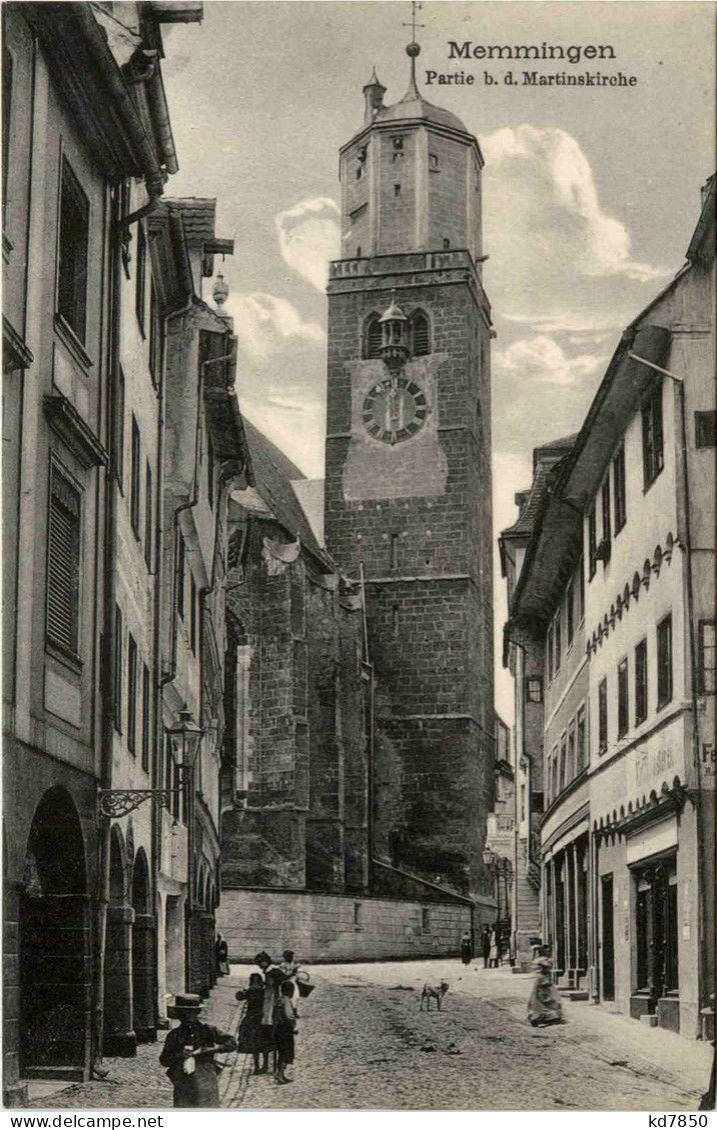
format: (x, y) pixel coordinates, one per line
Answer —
(63, 560)
(373, 338)
(421, 344)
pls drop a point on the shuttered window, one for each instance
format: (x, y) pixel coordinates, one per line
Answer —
(134, 483)
(131, 694)
(63, 563)
(146, 716)
(148, 524)
(117, 672)
(372, 341)
(652, 438)
(421, 337)
(664, 661)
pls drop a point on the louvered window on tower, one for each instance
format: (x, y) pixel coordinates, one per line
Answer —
(421, 336)
(372, 344)
(63, 563)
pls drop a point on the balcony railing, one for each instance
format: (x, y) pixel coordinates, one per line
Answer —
(411, 261)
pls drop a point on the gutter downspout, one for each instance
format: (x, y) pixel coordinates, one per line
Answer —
(703, 972)
(107, 657)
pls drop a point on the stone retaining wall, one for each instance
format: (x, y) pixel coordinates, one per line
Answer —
(322, 927)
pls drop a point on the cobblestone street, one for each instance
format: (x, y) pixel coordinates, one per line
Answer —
(363, 1043)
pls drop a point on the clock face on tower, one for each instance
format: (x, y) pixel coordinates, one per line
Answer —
(395, 410)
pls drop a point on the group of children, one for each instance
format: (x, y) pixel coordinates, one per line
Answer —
(268, 1025)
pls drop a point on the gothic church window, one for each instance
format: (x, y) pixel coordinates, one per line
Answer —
(421, 334)
(372, 336)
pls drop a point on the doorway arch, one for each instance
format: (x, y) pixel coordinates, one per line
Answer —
(142, 952)
(119, 1037)
(54, 935)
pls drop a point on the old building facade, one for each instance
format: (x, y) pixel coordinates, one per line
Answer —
(95, 270)
(617, 584)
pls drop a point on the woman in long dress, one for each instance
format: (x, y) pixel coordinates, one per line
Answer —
(493, 951)
(544, 1006)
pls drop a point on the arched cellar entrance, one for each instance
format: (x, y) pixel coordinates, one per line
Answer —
(55, 958)
(142, 953)
(174, 944)
(119, 1036)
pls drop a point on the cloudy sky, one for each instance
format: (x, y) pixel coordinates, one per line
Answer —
(590, 194)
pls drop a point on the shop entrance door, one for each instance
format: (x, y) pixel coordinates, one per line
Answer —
(608, 940)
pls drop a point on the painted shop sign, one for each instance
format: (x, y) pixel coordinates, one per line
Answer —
(654, 766)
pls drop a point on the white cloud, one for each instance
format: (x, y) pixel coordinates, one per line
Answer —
(555, 203)
(571, 322)
(309, 238)
(542, 359)
(264, 323)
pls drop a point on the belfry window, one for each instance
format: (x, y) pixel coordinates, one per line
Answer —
(421, 334)
(372, 337)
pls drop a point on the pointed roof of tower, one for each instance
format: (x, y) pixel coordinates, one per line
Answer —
(374, 81)
(413, 105)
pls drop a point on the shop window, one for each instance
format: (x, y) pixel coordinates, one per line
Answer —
(74, 223)
(656, 929)
(623, 712)
(62, 614)
(619, 490)
(652, 439)
(602, 716)
(706, 644)
(641, 682)
(664, 662)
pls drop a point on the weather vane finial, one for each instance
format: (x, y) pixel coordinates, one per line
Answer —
(413, 50)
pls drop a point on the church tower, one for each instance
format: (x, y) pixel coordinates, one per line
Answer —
(408, 473)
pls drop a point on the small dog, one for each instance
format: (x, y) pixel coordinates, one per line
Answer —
(433, 992)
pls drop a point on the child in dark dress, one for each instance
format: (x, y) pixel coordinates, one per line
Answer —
(284, 1031)
(250, 1027)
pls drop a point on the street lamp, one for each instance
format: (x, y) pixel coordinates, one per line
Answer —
(189, 737)
(488, 857)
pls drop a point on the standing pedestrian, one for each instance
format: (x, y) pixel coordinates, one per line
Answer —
(272, 978)
(466, 948)
(493, 951)
(284, 1031)
(288, 966)
(250, 1026)
(485, 945)
(188, 1054)
(544, 1006)
(221, 951)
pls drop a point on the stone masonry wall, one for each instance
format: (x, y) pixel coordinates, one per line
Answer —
(422, 530)
(325, 927)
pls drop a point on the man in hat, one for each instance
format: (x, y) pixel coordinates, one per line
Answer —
(188, 1054)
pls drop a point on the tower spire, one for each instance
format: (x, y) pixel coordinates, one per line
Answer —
(413, 50)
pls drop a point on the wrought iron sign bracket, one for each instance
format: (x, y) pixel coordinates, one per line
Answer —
(120, 802)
